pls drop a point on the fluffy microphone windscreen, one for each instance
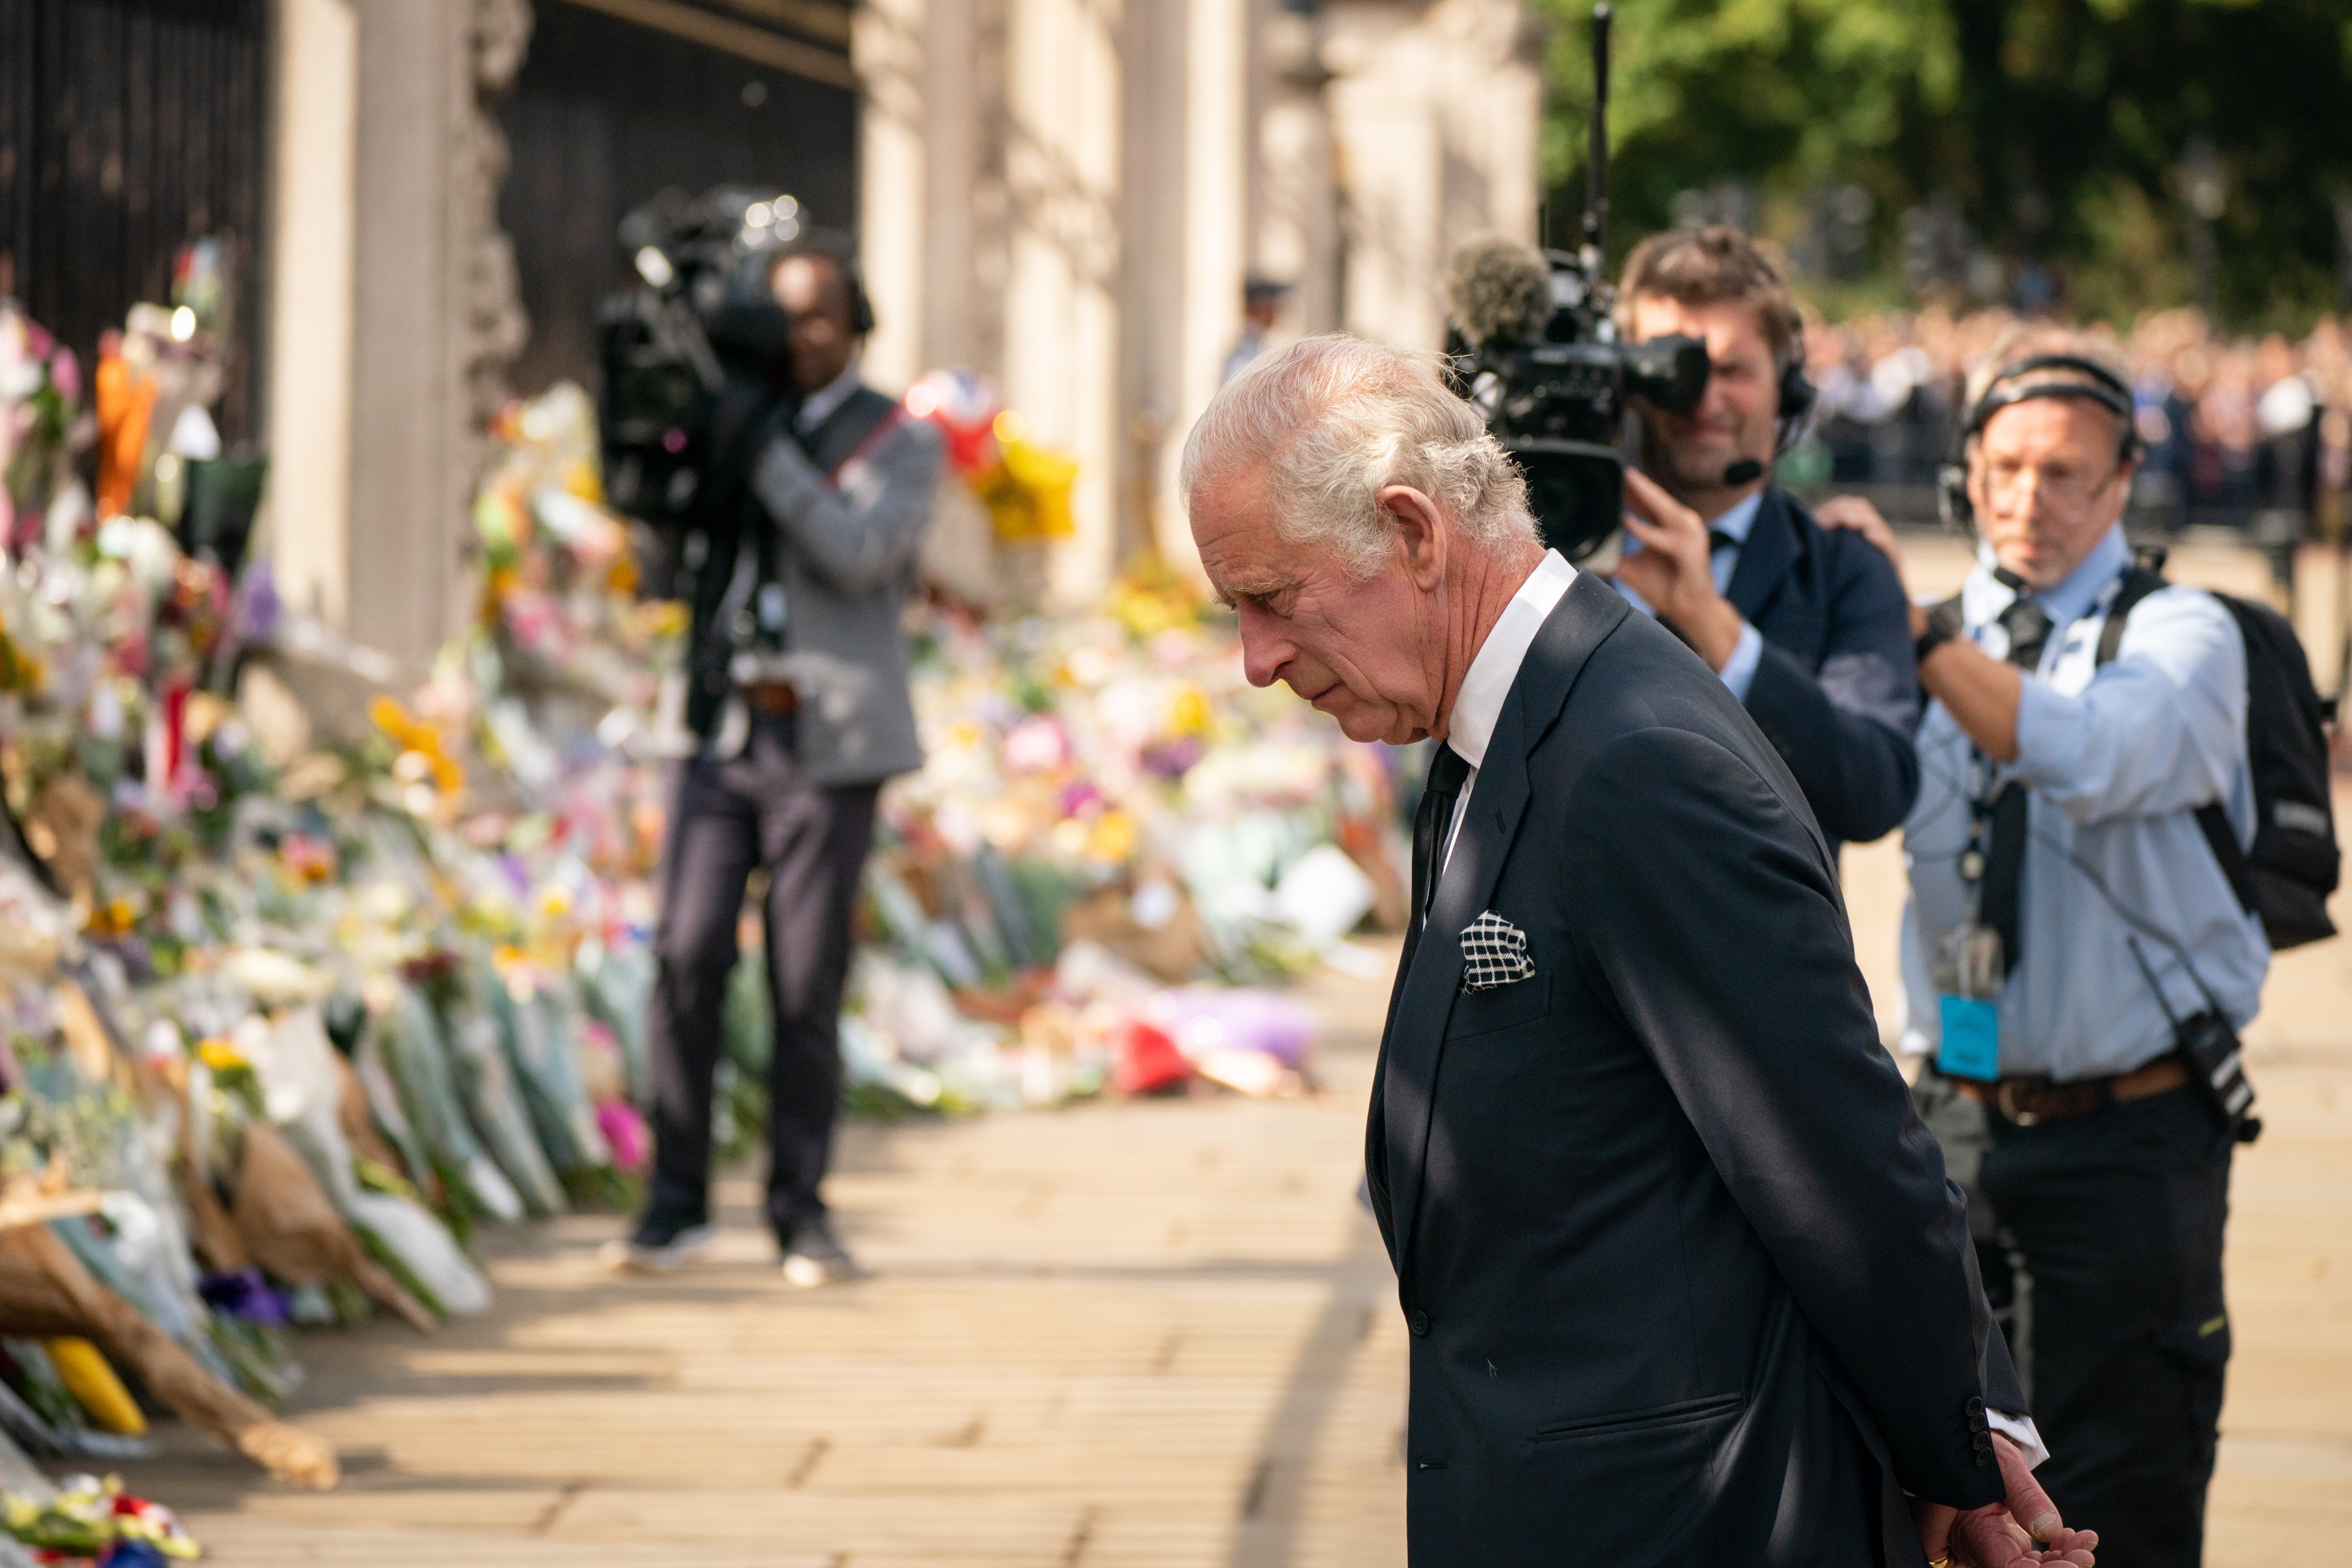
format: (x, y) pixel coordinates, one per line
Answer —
(1499, 289)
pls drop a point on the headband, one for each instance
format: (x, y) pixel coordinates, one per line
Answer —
(2105, 388)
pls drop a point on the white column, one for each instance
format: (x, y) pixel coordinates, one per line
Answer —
(888, 47)
(409, 491)
(951, 138)
(311, 268)
(1061, 326)
(1152, 271)
(1436, 120)
(1217, 162)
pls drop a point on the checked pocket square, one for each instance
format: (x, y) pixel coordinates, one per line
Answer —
(1493, 952)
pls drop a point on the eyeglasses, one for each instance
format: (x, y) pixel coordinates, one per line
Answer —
(2067, 488)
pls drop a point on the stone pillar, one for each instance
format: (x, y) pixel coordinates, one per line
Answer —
(1151, 286)
(1066, 196)
(896, 211)
(435, 314)
(311, 305)
(1296, 227)
(1061, 331)
(1436, 119)
(1218, 166)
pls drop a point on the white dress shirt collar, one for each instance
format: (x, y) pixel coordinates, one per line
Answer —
(818, 406)
(1478, 706)
(1741, 518)
(1984, 596)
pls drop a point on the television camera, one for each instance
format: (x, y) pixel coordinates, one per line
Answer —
(1534, 347)
(693, 348)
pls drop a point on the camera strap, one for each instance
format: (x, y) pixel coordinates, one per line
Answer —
(850, 433)
(2207, 1046)
(844, 474)
(2001, 810)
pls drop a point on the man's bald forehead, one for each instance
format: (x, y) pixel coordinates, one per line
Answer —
(827, 285)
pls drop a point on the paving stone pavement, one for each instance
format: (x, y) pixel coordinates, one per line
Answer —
(1153, 1334)
(1160, 1335)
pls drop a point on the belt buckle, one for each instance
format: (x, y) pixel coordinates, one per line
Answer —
(2005, 1097)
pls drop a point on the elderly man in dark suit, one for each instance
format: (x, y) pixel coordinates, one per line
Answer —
(1685, 1278)
(1807, 628)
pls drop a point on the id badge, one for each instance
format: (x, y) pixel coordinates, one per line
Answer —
(1972, 1047)
(1968, 961)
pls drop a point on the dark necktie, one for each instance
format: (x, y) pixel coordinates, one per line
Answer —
(1447, 770)
(1718, 542)
(2004, 876)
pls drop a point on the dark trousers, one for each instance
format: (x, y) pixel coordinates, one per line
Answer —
(758, 809)
(2115, 1220)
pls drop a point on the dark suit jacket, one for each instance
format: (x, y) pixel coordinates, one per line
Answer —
(1836, 692)
(1686, 1281)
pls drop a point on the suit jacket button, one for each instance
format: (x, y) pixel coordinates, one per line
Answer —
(1417, 1321)
(1976, 1407)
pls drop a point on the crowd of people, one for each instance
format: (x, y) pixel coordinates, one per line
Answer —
(2230, 425)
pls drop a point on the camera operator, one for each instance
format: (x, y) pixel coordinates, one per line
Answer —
(799, 695)
(2059, 875)
(1807, 627)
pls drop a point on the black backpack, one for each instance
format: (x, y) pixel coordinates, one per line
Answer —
(2293, 865)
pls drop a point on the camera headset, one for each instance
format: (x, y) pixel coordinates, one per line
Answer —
(2105, 388)
(837, 250)
(1792, 411)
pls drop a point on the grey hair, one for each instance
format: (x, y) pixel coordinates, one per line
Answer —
(1332, 421)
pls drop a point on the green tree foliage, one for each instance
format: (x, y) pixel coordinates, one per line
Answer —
(2057, 126)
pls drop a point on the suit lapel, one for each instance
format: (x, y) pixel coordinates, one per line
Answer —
(1767, 556)
(1423, 1000)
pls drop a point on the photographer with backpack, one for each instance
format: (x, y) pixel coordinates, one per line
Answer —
(2123, 807)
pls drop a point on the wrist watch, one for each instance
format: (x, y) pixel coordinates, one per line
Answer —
(1942, 625)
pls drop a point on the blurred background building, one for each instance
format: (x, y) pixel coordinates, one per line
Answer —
(419, 198)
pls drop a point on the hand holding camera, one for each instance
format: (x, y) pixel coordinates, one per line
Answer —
(1674, 570)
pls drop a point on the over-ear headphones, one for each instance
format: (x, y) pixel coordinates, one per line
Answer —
(1796, 395)
(2104, 388)
(861, 309)
(1793, 406)
(839, 249)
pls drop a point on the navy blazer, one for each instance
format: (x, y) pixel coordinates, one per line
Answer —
(1685, 1278)
(1836, 691)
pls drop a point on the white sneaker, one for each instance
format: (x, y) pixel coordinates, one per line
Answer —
(815, 1257)
(655, 1248)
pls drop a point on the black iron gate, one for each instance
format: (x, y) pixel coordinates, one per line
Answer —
(619, 98)
(128, 128)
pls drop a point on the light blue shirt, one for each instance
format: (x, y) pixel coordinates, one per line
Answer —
(2118, 759)
(1739, 670)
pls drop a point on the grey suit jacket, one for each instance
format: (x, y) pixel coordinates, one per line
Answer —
(848, 566)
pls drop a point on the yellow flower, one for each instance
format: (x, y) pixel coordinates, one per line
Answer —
(1113, 839)
(220, 1056)
(1189, 713)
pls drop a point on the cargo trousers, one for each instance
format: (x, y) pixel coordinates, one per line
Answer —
(2100, 1242)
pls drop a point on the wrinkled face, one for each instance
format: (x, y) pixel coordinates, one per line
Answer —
(813, 290)
(2046, 485)
(1740, 415)
(1366, 653)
